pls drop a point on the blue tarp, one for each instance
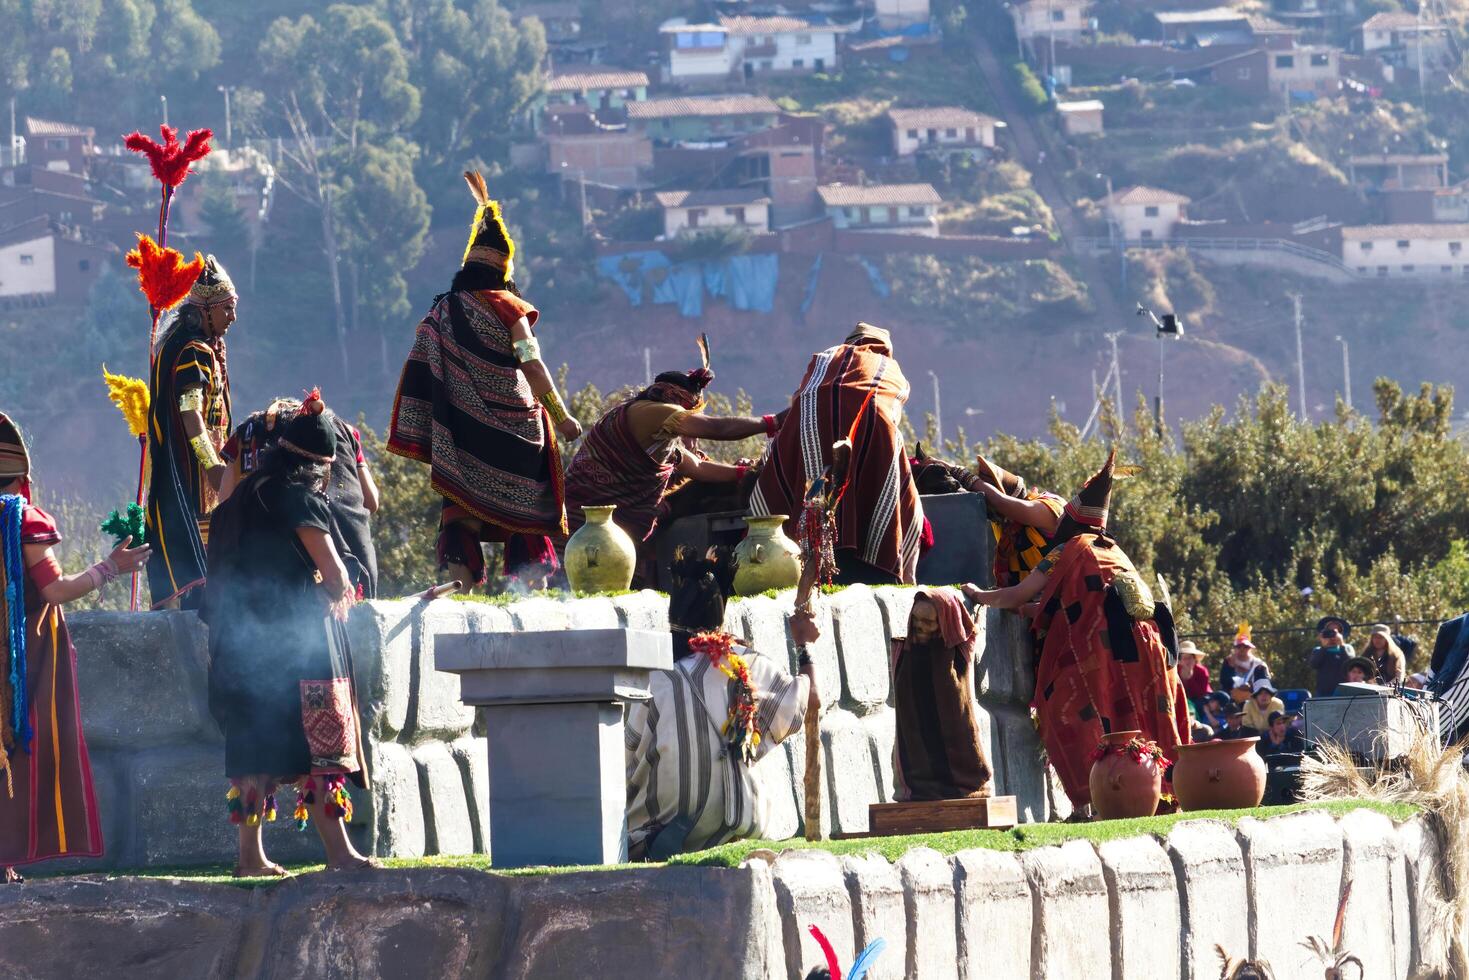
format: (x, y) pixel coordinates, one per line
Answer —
(811, 283)
(746, 282)
(874, 275)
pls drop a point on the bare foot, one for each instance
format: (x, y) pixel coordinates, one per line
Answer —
(266, 870)
(354, 863)
(11, 877)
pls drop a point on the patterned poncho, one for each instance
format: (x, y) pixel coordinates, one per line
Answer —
(464, 407)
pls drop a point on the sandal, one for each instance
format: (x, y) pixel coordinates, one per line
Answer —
(359, 864)
(269, 871)
(12, 877)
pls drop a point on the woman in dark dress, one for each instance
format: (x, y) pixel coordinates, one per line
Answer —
(280, 677)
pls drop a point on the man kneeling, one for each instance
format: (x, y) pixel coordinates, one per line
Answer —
(692, 748)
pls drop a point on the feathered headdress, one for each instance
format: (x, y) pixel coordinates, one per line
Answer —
(1242, 635)
(163, 275)
(860, 966)
(489, 240)
(171, 161)
(130, 395)
(703, 375)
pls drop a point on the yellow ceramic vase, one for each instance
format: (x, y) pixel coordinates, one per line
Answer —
(767, 558)
(600, 556)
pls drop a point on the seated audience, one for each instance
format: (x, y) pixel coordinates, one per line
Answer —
(1279, 737)
(1192, 673)
(1330, 655)
(1387, 656)
(1213, 708)
(1360, 670)
(1234, 724)
(1240, 665)
(1261, 705)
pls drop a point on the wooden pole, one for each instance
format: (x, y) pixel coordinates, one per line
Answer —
(813, 776)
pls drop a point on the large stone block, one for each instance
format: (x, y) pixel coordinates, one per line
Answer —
(764, 625)
(1373, 866)
(645, 610)
(143, 679)
(482, 617)
(472, 755)
(1072, 933)
(642, 923)
(862, 647)
(111, 781)
(878, 912)
(1213, 894)
(823, 652)
(430, 922)
(882, 735)
(928, 896)
(1428, 896)
(593, 613)
(437, 712)
(962, 540)
(849, 770)
(896, 603)
(1143, 894)
(382, 636)
(179, 813)
(776, 786)
(1016, 758)
(397, 808)
(795, 749)
(541, 613)
(810, 890)
(448, 828)
(995, 916)
(1009, 646)
(1299, 855)
(134, 927)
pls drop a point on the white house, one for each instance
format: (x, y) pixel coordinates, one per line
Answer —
(744, 47)
(693, 211)
(1065, 20)
(1145, 213)
(1414, 251)
(940, 128)
(909, 208)
(1304, 69)
(894, 15)
(1081, 118)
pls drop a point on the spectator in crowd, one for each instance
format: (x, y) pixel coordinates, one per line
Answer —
(1234, 724)
(1261, 705)
(1279, 737)
(1192, 672)
(1212, 710)
(1330, 655)
(1387, 656)
(1240, 665)
(1417, 682)
(1359, 670)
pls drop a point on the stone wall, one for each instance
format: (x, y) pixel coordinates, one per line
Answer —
(1139, 907)
(158, 756)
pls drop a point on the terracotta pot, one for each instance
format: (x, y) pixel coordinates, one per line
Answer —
(600, 556)
(767, 559)
(1122, 787)
(1219, 775)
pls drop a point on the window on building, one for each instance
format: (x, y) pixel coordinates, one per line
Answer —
(1058, 16)
(1365, 246)
(917, 211)
(1409, 268)
(803, 39)
(1455, 248)
(766, 65)
(27, 260)
(951, 134)
(85, 265)
(695, 216)
(1320, 60)
(738, 214)
(1362, 269)
(1151, 211)
(912, 134)
(1147, 233)
(1403, 244)
(851, 213)
(798, 62)
(1243, 74)
(1285, 61)
(1447, 270)
(1382, 272)
(56, 145)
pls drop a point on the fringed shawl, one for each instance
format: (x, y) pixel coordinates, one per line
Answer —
(15, 726)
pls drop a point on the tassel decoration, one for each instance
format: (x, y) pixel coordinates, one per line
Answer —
(130, 395)
(163, 275)
(171, 161)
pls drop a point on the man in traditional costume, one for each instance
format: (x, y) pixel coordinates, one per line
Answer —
(633, 452)
(937, 754)
(692, 748)
(47, 805)
(353, 492)
(188, 420)
(280, 671)
(1108, 653)
(879, 522)
(477, 404)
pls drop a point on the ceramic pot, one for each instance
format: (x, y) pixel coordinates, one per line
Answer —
(767, 558)
(600, 556)
(1219, 775)
(1121, 786)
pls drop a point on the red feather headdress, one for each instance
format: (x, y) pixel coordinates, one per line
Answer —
(832, 963)
(171, 160)
(163, 275)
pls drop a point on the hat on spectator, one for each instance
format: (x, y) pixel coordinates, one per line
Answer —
(1219, 697)
(1368, 668)
(1263, 684)
(1337, 623)
(1242, 636)
(1277, 716)
(1188, 649)
(1233, 711)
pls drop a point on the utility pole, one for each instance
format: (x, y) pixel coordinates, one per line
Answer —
(12, 156)
(581, 180)
(1422, 94)
(1300, 357)
(647, 366)
(164, 100)
(1051, 30)
(1158, 400)
(1346, 370)
(938, 416)
(1116, 372)
(229, 139)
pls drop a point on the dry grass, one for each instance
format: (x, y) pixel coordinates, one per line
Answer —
(1431, 778)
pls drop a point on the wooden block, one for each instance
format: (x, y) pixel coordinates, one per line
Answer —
(933, 816)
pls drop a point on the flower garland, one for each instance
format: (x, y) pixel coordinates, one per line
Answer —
(739, 728)
(1144, 752)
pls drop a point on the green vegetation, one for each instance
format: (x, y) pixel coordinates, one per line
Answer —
(1032, 92)
(956, 289)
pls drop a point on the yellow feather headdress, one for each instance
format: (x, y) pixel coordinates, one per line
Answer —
(489, 240)
(130, 395)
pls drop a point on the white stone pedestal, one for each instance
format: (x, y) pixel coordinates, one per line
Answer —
(553, 709)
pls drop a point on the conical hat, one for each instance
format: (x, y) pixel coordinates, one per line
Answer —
(1087, 511)
(997, 476)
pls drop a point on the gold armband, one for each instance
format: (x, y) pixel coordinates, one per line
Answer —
(192, 400)
(527, 350)
(555, 407)
(204, 449)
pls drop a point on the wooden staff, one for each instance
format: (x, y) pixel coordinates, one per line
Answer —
(812, 725)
